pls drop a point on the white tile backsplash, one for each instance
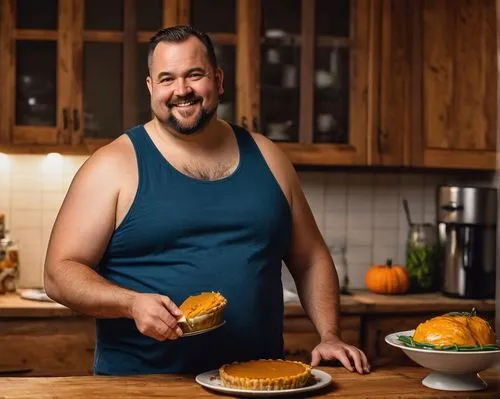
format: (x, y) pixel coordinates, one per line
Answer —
(375, 226)
(359, 209)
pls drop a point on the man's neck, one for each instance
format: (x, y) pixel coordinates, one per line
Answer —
(209, 137)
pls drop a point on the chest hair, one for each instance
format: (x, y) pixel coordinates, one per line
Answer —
(202, 171)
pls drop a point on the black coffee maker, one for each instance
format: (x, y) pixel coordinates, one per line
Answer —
(467, 227)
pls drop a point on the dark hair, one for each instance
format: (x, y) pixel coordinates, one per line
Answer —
(179, 34)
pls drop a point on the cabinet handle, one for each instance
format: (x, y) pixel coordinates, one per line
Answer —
(244, 122)
(65, 118)
(255, 125)
(381, 140)
(76, 120)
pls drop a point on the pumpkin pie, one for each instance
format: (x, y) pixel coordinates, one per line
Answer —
(265, 375)
(202, 311)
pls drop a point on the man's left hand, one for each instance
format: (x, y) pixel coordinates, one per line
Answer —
(335, 348)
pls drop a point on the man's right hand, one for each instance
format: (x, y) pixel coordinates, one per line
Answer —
(156, 316)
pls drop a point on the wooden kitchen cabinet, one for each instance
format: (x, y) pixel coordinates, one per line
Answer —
(436, 84)
(459, 83)
(99, 71)
(73, 77)
(35, 63)
(408, 83)
(54, 346)
(307, 86)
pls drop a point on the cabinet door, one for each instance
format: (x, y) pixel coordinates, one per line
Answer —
(390, 142)
(218, 20)
(459, 71)
(110, 52)
(36, 64)
(313, 78)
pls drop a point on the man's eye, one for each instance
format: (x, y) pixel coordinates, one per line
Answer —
(195, 76)
(166, 80)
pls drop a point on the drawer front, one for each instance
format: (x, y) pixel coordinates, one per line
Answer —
(47, 347)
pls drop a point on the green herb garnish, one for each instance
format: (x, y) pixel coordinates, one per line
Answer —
(408, 341)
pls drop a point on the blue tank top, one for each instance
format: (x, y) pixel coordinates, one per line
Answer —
(183, 236)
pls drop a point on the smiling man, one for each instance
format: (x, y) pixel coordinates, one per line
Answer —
(183, 204)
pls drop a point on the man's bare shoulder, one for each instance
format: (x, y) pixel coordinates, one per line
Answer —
(279, 164)
(274, 156)
(110, 162)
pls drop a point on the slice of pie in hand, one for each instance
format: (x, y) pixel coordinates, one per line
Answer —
(202, 311)
(265, 375)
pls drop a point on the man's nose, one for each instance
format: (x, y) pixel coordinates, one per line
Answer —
(182, 88)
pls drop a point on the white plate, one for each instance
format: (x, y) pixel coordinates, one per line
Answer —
(198, 332)
(35, 294)
(211, 380)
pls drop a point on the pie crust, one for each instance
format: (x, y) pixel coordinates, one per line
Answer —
(202, 311)
(265, 375)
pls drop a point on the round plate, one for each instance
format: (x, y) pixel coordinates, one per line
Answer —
(211, 380)
(198, 332)
(452, 371)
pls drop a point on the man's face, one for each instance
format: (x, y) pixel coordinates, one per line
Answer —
(184, 86)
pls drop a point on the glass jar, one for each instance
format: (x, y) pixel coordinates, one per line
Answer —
(9, 265)
(338, 251)
(421, 257)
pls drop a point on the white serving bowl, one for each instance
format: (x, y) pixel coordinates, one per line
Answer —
(453, 371)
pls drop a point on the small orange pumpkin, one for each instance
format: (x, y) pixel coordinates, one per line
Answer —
(387, 279)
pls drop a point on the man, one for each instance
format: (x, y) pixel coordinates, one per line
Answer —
(183, 204)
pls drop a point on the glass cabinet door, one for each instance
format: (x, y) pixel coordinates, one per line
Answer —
(280, 60)
(218, 20)
(41, 89)
(331, 72)
(113, 40)
(97, 113)
(151, 16)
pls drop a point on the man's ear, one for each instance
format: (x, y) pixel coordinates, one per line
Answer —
(219, 79)
(149, 83)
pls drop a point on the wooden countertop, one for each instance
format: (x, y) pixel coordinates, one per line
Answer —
(387, 382)
(432, 302)
(12, 305)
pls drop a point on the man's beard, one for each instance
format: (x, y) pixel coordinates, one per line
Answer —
(203, 118)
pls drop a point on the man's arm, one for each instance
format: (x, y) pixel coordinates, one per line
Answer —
(311, 266)
(79, 238)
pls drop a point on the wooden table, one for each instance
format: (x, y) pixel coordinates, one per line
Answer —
(385, 382)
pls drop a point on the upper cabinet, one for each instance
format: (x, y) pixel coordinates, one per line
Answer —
(459, 83)
(437, 84)
(408, 83)
(75, 70)
(36, 68)
(304, 77)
